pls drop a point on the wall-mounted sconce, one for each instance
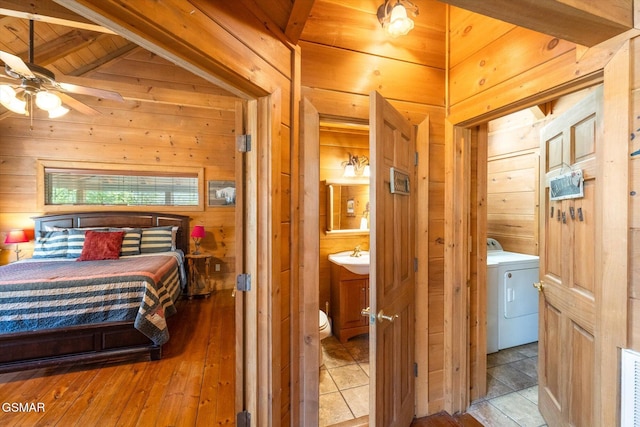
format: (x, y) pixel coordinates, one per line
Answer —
(393, 17)
(364, 221)
(356, 165)
(16, 236)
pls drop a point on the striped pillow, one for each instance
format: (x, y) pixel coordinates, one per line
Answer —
(52, 244)
(131, 241)
(76, 240)
(156, 239)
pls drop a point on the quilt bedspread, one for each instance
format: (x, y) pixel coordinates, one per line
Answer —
(54, 294)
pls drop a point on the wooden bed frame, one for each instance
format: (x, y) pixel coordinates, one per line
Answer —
(88, 343)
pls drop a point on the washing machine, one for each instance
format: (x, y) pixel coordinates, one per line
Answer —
(512, 301)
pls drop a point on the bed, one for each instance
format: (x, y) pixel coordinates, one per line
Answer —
(106, 310)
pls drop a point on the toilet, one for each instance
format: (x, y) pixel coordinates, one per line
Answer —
(324, 331)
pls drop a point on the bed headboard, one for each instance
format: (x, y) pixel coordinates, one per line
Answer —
(117, 219)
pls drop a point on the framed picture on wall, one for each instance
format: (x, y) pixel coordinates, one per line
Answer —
(221, 193)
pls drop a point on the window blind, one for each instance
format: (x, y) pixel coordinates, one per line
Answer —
(117, 187)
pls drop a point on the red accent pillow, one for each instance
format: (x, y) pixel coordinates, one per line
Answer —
(101, 245)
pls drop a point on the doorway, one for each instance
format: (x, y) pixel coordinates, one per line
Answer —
(583, 156)
(344, 213)
(396, 366)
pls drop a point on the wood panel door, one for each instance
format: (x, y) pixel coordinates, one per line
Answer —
(569, 292)
(392, 276)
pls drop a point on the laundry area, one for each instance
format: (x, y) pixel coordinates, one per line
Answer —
(512, 300)
(513, 221)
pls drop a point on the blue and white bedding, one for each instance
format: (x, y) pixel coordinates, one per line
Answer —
(60, 292)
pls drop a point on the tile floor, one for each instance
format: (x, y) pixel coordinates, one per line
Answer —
(344, 380)
(512, 385)
(512, 389)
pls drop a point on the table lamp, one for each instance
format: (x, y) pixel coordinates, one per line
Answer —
(16, 236)
(197, 234)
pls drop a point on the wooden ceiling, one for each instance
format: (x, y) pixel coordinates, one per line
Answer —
(78, 51)
(72, 46)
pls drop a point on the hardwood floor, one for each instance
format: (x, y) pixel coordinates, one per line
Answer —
(443, 419)
(192, 385)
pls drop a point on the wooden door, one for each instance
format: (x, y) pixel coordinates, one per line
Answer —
(568, 285)
(392, 273)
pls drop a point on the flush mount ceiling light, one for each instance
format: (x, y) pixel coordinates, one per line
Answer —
(393, 16)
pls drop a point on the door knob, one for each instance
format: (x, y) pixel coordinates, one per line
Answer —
(365, 312)
(539, 286)
(382, 316)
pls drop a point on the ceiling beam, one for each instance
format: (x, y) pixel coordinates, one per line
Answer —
(585, 22)
(48, 11)
(68, 43)
(91, 66)
(155, 94)
(300, 11)
(185, 36)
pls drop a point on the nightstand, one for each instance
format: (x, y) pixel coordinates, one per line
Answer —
(196, 276)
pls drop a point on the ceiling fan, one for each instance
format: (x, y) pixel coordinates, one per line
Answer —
(28, 83)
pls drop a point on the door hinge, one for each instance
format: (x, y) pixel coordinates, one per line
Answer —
(243, 282)
(416, 159)
(415, 369)
(243, 142)
(415, 265)
(243, 419)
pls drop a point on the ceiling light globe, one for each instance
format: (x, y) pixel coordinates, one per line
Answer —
(349, 171)
(9, 100)
(7, 94)
(18, 106)
(47, 101)
(58, 112)
(399, 23)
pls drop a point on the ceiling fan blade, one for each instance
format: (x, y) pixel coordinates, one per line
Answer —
(16, 64)
(84, 90)
(9, 79)
(77, 105)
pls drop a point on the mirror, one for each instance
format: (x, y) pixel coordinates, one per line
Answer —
(347, 205)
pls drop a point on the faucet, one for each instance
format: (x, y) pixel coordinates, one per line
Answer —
(356, 252)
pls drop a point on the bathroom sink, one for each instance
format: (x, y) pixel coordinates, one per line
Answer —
(357, 265)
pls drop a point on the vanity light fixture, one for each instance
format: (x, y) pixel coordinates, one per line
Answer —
(350, 168)
(356, 165)
(393, 16)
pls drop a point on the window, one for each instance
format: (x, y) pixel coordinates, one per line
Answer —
(113, 185)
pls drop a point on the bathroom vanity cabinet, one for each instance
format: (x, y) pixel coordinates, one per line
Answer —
(349, 296)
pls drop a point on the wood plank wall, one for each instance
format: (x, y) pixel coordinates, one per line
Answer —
(495, 65)
(499, 72)
(412, 77)
(228, 42)
(634, 202)
(132, 133)
(513, 173)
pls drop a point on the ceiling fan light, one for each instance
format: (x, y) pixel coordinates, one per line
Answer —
(7, 94)
(58, 112)
(9, 100)
(399, 23)
(47, 101)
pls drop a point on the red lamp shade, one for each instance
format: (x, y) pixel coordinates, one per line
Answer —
(198, 231)
(16, 236)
